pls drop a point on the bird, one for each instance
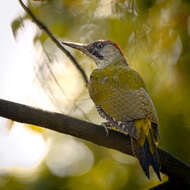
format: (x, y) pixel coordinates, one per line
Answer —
(122, 99)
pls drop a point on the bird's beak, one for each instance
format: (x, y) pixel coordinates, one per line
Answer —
(81, 47)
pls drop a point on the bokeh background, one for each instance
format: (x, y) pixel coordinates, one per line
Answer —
(155, 38)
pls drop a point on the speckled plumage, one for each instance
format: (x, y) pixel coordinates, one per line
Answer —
(120, 96)
(121, 93)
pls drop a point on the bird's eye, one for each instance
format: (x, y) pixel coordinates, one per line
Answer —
(99, 45)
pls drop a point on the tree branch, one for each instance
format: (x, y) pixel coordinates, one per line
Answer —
(177, 171)
(54, 39)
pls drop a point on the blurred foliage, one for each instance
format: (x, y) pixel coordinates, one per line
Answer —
(155, 38)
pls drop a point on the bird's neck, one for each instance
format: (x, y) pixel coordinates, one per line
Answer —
(111, 62)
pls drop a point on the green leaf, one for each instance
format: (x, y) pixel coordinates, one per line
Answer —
(16, 25)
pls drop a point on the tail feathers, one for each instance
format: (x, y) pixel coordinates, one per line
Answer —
(146, 159)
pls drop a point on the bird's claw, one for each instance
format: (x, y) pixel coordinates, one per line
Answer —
(106, 126)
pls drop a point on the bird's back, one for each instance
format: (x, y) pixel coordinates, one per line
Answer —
(121, 93)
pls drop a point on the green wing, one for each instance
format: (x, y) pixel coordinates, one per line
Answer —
(121, 93)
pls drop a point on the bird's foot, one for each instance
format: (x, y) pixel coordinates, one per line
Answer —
(107, 126)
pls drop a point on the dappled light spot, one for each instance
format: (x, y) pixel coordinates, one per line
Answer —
(21, 150)
(67, 157)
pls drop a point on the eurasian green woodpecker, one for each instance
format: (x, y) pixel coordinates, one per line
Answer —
(120, 96)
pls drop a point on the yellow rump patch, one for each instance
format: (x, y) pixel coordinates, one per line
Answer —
(144, 129)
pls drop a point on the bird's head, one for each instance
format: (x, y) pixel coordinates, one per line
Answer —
(103, 52)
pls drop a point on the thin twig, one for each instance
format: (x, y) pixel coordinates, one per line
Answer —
(54, 39)
(60, 87)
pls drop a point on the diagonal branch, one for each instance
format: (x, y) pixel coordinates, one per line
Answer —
(54, 39)
(177, 171)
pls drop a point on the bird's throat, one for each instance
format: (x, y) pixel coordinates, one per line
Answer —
(110, 62)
